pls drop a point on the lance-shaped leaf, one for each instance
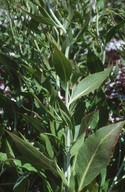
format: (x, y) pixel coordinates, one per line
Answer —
(35, 157)
(62, 65)
(111, 33)
(89, 84)
(95, 154)
(44, 18)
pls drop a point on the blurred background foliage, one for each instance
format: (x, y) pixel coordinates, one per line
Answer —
(31, 96)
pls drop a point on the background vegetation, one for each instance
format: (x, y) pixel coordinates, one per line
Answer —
(62, 96)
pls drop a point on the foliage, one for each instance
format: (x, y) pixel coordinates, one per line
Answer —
(55, 131)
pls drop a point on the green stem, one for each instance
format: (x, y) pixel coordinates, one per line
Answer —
(97, 31)
(97, 24)
(67, 164)
(67, 96)
(68, 136)
(58, 86)
(55, 18)
(68, 169)
(67, 46)
(103, 54)
(97, 19)
(11, 22)
(37, 46)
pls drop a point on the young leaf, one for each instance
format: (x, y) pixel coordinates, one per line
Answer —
(95, 153)
(29, 167)
(62, 65)
(48, 145)
(89, 84)
(85, 123)
(3, 157)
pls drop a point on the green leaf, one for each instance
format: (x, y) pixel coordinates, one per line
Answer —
(9, 62)
(111, 33)
(95, 120)
(64, 112)
(85, 122)
(17, 163)
(29, 167)
(35, 157)
(48, 145)
(35, 122)
(93, 62)
(3, 157)
(89, 84)
(10, 154)
(77, 146)
(9, 151)
(95, 153)
(100, 4)
(11, 67)
(42, 19)
(36, 74)
(45, 19)
(41, 105)
(81, 130)
(62, 65)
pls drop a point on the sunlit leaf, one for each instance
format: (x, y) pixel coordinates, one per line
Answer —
(89, 84)
(95, 153)
(3, 157)
(29, 167)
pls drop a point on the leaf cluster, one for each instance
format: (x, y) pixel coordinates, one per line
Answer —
(55, 133)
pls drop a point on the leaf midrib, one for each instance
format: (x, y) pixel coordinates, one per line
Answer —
(83, 92)
(37, 156)
(85, 173)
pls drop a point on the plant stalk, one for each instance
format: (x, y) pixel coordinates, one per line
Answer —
(68, 136)
(55, 18)
(68, 169)
(97, 19)
(67, 164)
